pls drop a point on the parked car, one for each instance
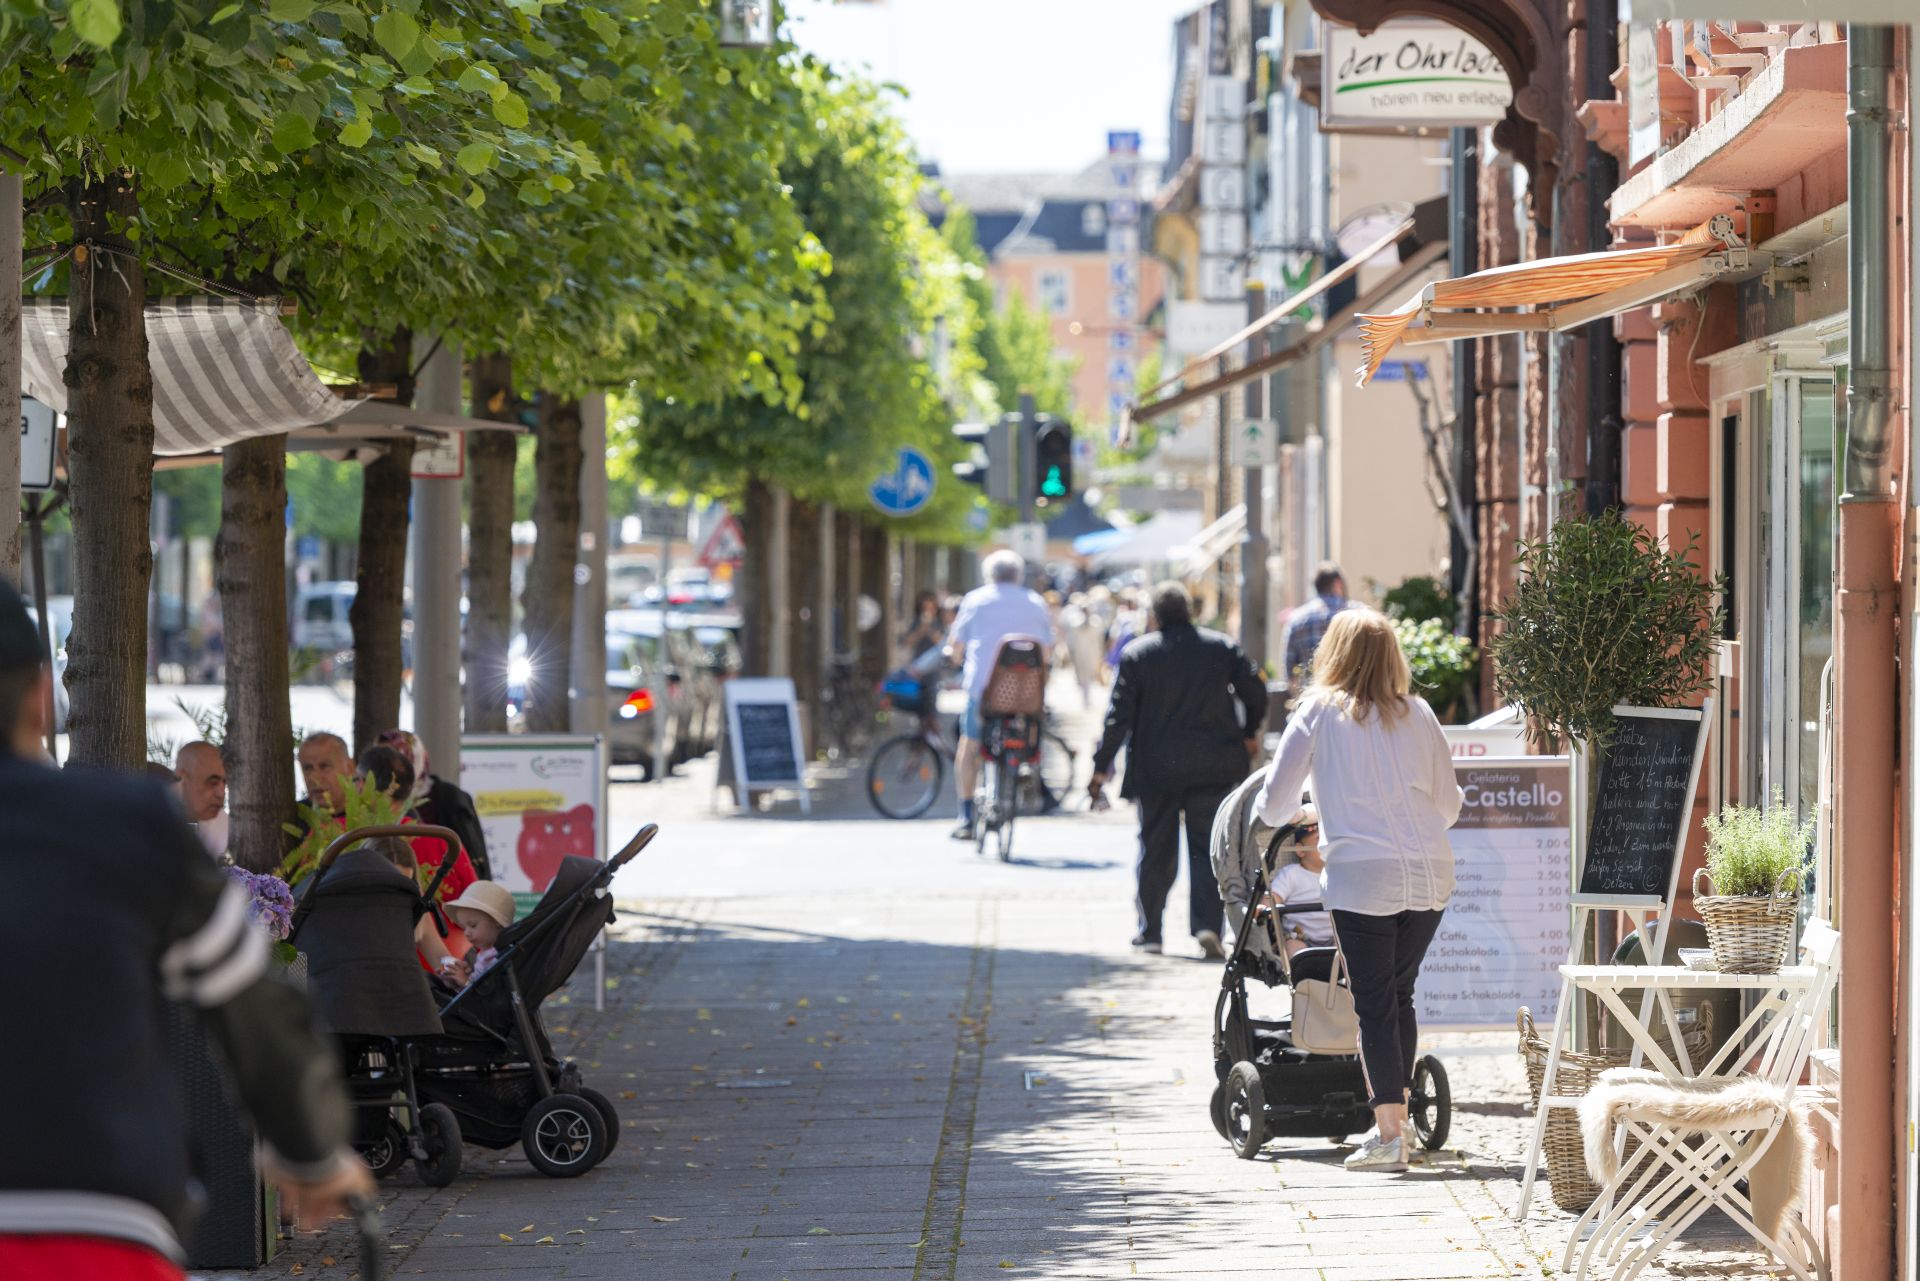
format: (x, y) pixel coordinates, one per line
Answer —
(631, 711)
(60, 627)
(666, 639)
(320, 617)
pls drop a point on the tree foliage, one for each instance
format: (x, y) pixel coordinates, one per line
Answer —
(877, 369)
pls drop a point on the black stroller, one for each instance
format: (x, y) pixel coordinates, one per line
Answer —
(486, 1073)
(1297, 1077)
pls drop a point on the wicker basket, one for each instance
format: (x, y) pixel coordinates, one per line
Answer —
(1573, 1188)
(1749, 933)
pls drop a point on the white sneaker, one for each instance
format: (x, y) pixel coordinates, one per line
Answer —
(1373, 1154)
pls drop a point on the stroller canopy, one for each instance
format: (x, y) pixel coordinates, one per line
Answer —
(357, 933)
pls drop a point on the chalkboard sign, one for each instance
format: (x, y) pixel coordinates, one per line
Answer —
(1642, 803)
(763, 729)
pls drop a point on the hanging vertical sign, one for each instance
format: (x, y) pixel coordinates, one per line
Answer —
(1123, 270)
(1643, 94)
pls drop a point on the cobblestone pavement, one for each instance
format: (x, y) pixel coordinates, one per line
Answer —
(860, 1051)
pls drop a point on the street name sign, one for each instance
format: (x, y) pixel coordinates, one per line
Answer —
(36, 445)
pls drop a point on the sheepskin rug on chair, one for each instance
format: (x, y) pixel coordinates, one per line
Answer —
(1723, 1107)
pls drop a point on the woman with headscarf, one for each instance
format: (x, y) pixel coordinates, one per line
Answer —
(439, 802)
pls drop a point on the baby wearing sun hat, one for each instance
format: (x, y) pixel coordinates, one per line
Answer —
(482, 912)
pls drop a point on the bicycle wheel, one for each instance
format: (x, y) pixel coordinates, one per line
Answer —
(985, 811)
(1005, 784)
(1058, 766)
(905, 777)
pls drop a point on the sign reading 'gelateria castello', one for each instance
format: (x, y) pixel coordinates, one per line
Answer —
(1410, 75)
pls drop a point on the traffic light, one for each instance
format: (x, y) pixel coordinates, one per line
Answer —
(1001, 443)
(1053, 461)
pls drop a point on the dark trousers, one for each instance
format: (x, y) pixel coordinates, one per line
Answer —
(1159, 865)
(1383, 955)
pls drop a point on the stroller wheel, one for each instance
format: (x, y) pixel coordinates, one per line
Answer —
(1217, 1110)
(440, 1133)
(1431, 1106)
(564, 1136)
(386, 1153)
(1246, 1110)
(607, 1114)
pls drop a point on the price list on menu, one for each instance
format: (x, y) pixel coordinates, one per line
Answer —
(1504, 935)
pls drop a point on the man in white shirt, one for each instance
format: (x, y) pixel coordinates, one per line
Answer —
(988, 615)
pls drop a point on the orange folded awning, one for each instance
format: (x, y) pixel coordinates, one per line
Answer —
(1552, 295)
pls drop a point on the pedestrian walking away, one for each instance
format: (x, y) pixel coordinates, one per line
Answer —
(1188, 706)
(989, 615)
(1308, 624)
(1383, 784)
(112, 903)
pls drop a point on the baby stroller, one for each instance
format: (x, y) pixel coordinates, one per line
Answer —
(494, 1069)
(355, 924)
(483, 1071)
(1296, 1077)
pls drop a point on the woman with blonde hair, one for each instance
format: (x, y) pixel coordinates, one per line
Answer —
(1382, 779)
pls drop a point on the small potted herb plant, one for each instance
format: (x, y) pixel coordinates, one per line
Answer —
(1756, 859)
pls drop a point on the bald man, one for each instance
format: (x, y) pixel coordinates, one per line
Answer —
(326, 766)
(203, 781)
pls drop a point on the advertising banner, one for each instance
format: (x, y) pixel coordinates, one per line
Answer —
(540, 798)
(1504, 935)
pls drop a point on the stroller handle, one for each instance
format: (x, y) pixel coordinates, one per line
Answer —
(353, 836)
(641, 839)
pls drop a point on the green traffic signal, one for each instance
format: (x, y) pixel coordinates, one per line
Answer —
(1053, 485)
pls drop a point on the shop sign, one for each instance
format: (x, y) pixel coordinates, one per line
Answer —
(37, 435)
(1643, 94)
(1410, 75)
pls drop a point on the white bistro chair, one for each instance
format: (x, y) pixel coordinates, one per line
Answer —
(1698, 1140)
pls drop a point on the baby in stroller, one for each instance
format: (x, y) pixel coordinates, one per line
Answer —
(1295, 878)
(478, 1068)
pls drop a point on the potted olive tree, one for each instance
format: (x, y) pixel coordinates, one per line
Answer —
(1602, 616)
(1755, 861)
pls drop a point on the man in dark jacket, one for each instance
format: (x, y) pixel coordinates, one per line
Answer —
(111, 903)
(1173, 706)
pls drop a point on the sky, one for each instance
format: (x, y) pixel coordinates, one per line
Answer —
(1008, 85)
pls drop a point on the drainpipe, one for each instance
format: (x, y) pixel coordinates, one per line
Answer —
(1865, 640)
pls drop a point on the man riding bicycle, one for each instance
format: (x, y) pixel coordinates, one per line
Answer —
(989, 614)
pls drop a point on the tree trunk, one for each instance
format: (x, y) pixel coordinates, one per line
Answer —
(756, 528)
(10, 249)
(547, 598)
(251, 577)
(803, 572)
(110, 470)
(490, 456)
(876, 646)
(379, 599)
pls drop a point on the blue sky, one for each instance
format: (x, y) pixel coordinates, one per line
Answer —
(1008, 84)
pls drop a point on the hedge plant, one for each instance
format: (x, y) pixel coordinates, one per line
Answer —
(1443, 664)
(1602, 614)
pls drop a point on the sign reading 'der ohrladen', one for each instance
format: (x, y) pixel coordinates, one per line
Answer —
(1410, 75)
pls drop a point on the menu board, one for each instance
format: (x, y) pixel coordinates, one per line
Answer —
(1642, 800)
(763, 733)
(1504, 935)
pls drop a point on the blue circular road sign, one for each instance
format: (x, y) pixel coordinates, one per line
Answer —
(907, 488)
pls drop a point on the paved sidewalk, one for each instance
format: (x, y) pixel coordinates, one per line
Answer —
(850, 1048)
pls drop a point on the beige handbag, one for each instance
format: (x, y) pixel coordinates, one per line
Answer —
(1323, 1018)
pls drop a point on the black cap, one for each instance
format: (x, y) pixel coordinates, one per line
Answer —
(19, 638)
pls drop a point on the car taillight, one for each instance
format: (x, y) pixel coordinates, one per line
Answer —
(641, 700)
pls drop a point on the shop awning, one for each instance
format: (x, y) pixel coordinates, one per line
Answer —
(1420, 248)
(227, 370)
(1213, 543)
(1552, 295)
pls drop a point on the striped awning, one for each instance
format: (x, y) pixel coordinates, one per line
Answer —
(1552, 295)
(223, 370)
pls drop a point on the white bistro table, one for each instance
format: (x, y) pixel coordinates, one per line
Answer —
(1780, 993)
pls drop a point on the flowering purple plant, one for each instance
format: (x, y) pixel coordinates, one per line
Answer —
(272, 900)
